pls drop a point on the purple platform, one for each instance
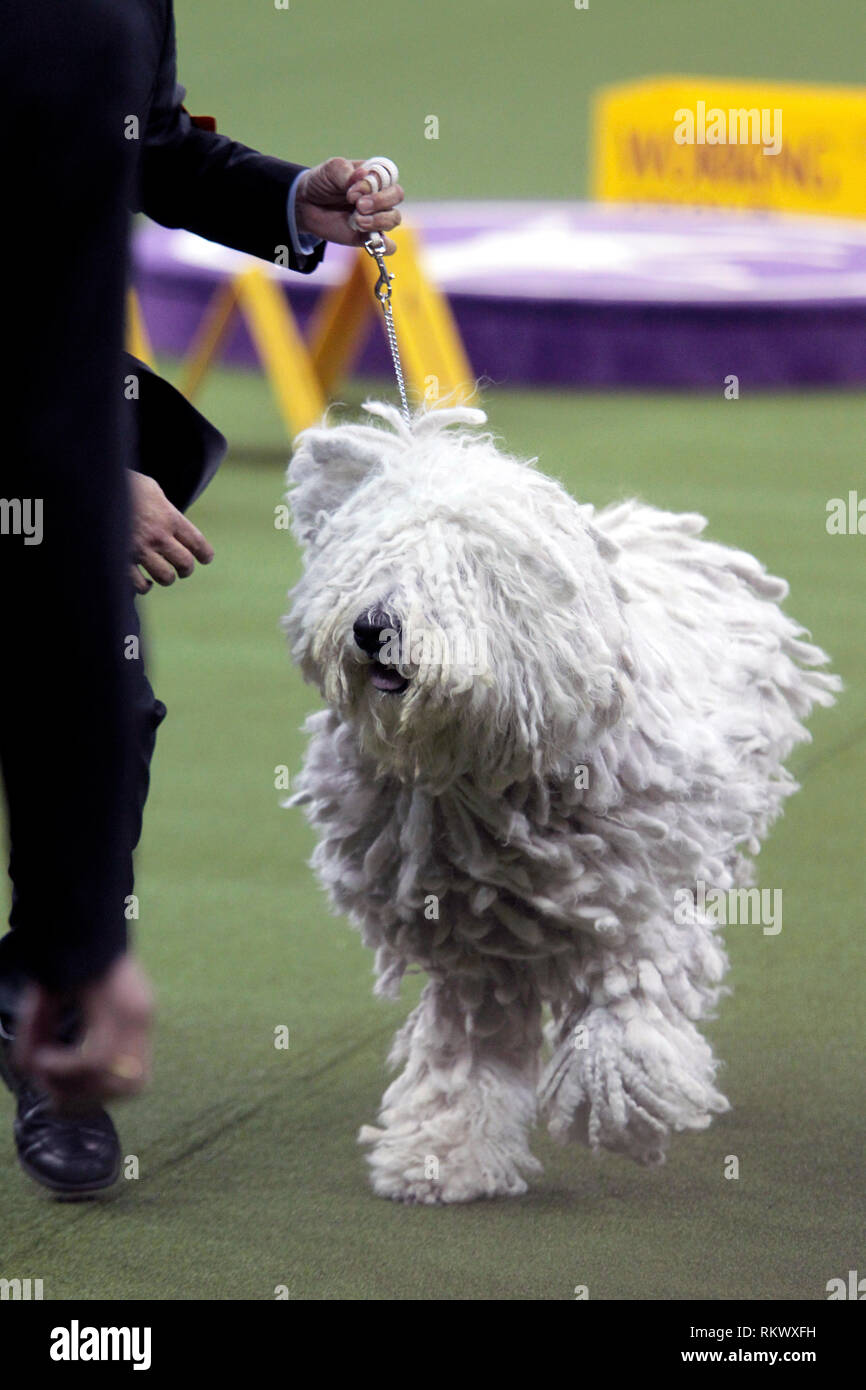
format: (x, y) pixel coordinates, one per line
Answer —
(580, 294)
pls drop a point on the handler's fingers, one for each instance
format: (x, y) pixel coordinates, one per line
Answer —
(140, 582)
(76, 1079)
(375, 202)
(339, 172)
(113, 1060)
(376, 168)
(38, 1020)
(72, 1078)
(356, 172)
(377, 221)
(192, 538)
(178, 556)
(118, 1052)
(363, 233)
(159, 569)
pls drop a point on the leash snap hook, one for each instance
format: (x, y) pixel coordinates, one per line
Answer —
(375, 247)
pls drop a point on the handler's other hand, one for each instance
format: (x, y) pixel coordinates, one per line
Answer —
(112, 1056)
(328, 195)
(163, 542)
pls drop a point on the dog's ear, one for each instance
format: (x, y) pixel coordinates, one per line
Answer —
(328, 464)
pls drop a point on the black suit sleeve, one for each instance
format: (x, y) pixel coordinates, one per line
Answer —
(210, 184)
(172, 441)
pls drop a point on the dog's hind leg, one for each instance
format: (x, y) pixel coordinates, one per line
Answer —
(455, 1123)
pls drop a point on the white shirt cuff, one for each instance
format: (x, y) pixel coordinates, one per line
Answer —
(302, 243)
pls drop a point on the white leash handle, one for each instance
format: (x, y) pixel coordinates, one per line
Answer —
(379, 173)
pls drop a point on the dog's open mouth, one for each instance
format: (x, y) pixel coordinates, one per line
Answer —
(387, 678)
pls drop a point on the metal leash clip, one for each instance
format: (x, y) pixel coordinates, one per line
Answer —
(375, 247)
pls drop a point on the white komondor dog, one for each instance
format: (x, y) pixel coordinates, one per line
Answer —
(544, 723)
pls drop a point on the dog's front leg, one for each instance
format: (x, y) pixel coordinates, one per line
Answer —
(455, 1123)
(629, 1066)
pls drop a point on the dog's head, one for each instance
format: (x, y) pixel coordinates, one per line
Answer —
(456, 606)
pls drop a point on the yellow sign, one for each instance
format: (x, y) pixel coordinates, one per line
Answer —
(732, 144)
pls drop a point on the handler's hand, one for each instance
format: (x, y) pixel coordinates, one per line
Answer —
(329, 194)
(163, 541)
(112, 1058)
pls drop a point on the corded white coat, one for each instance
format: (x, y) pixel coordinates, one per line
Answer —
(599, 720)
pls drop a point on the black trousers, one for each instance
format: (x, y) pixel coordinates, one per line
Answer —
(67, 748)
(147, 713)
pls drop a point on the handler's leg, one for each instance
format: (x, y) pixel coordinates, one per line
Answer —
(65, 735)
(73, 1153)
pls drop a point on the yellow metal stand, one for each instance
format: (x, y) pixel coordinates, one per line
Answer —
(436, 361)
(302, 377)
(209, 339)
(280, 347)
(137, 341)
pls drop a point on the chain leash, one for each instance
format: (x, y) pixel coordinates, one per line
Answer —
(375, 247)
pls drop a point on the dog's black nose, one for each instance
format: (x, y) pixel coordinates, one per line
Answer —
(369, 627)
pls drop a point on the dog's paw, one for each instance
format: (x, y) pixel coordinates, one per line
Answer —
(626, 1080)
(405, 1167)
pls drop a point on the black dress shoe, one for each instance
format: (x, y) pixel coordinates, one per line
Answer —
(71, 1154)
